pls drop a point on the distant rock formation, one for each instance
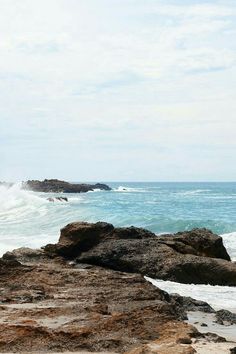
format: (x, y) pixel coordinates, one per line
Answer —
(196, 256)
(57, 186)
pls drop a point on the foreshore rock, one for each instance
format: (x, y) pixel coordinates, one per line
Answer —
(197, 256)
(51, 305)
(54, 301)
(57, 186)
(225, 317)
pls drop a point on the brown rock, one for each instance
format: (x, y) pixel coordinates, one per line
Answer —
(83, 310)
(181, 257)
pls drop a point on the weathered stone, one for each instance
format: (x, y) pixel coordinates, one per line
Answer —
(170, 257)
(57, 186)
(24, 255)
(190, 304)
(52, 306)
(225, 316)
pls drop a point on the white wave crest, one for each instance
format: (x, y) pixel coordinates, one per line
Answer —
(16, 202)
(229, 240)
(219, 297)
(128, 189)
(95, 190)
(196, 191)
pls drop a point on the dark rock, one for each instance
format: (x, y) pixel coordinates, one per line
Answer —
(79, 237)
(8, 264)
(233, 350)
(24, 255)
(212, 337)
(51, 199)
(203, 325)
(138, 250)
(61, 199)
(223, 316)
(57, 186)
(201, 242)
(184, 340)
(190, 304)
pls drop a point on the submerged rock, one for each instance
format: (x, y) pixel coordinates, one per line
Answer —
(57, 186)
(197, 256)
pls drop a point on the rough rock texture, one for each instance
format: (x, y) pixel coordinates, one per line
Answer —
(225, 317)
(57, 186)
(197, 256)
(189, 304)
(199, 242)
(51, 305)
(51, 302)
(24, 255)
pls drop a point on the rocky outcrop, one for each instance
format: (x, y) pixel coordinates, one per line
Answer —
(199, 242)
(197, 256)
(24, 255)
(57, 186)
(189, 304)
(53, 301)
(51, 305)
(225, 317)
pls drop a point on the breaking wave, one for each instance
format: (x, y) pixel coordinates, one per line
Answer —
(217, 296)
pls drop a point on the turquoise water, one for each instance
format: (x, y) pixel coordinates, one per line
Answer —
(27, 218)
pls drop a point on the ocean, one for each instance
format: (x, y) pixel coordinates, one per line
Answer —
(29, 219)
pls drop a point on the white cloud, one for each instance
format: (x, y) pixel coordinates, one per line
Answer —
(82, 78)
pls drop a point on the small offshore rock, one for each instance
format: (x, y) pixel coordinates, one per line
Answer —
(60, 199)
(223, 316)
(203, 325)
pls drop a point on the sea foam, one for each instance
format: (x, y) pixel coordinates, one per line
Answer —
(217, 296)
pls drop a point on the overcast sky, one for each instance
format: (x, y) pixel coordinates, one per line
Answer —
(122, 90)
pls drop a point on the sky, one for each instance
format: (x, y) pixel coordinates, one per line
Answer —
(118, 90)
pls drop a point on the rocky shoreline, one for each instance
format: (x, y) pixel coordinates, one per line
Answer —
(87, 293)
(57, 186)
(197, 256)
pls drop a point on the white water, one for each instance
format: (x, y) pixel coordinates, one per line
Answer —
(229, 241)
(217, 296)
(28, 219)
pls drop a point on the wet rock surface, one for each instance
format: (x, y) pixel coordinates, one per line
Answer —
(225, 317)
(57, 186)
(190, 304)
(51, 305)
(60, 299)
(197, 256)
